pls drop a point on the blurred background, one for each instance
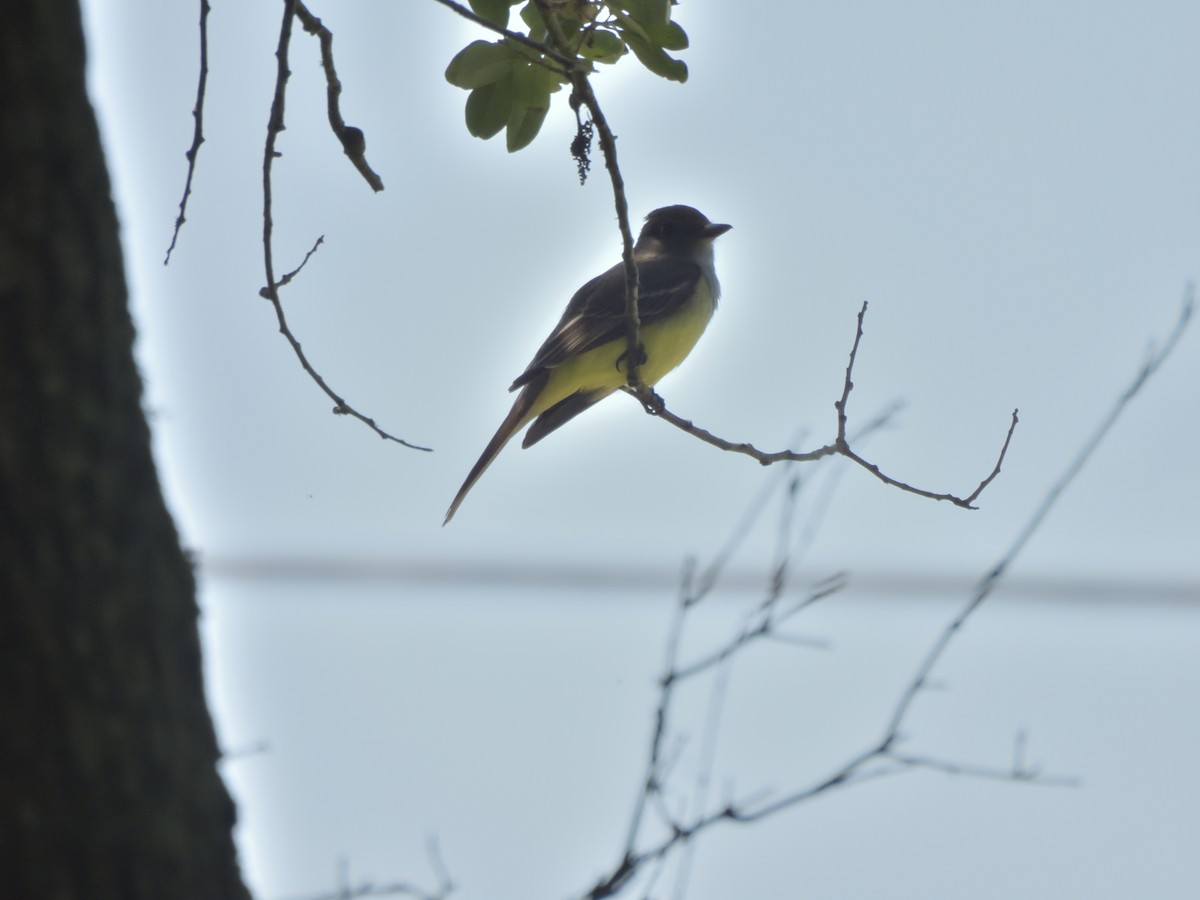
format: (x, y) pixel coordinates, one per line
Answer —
(1014, 190)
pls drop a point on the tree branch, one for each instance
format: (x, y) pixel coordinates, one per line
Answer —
(989, 581)
(275, 125)
(197, 133)
(858, 768)
(840, 446)
(568, 61)
(346, 890)
(582, 93)
(353, 142)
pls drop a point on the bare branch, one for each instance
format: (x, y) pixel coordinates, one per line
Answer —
(971, 497)
(840, 446)
(693, 589)
(346, 890)
(885, 748)
(874, 761)
(197, 133)
(258, 747)
(275, 125)
(265, 293)
(650, 782)
(353, 142)
(989, 581)
(746, 812)
(755, 631)
(582, 93)
(768, 622)
(1017, 774)
(691, 592)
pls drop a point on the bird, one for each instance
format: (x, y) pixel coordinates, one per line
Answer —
(583, 359)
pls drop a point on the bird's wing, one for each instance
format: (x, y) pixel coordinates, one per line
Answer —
(596, 314)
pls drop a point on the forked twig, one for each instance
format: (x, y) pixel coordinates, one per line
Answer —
(989, 581)
(882, 757)
(839, 446)
(275, 125)
(348, 890)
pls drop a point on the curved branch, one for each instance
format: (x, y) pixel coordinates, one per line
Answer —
(989, 581)
(275, 125)
(883, 754)
(840, 446)
(582, 92)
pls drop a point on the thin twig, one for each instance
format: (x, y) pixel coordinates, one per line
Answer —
(582, 93)
(859, 767)
(719, 689)
(1018, 774)
(666, 687)
(629, 867)
(712, 572)
(750, 633)
(750, 811)
(265, 293)
(198, 131)
(989, 581)
(445, 883)
(885, 747)
(353, 142)
(236, 753)
(693, 589)
(275, 125)
(709, 733)
(346, 890)
(840, 446)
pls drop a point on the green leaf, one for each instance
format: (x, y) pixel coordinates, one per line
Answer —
(532, 17)
(649, 11)
(480, 63)
(655, 59)
(649, 14)
(653, 18)
(523, 127)
(670, 36)
(495, 11)
(603, 47)
(489, 108)
(532, 86)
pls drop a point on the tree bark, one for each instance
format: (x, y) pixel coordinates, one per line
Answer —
(108, 780)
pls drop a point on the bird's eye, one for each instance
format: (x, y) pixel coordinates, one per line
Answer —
(666, 230)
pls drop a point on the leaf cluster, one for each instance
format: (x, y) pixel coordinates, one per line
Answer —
(511, 79)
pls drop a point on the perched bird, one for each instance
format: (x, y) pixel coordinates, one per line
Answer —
(583, 359)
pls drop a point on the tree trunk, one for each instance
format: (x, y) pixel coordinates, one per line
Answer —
(108, 781)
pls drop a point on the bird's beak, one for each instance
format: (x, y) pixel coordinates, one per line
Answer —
(712, 231)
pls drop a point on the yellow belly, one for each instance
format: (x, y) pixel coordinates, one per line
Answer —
(667, 343)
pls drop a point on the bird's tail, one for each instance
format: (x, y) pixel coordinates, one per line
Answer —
(517, 417)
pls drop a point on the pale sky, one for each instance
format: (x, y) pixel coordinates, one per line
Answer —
(1013, 188)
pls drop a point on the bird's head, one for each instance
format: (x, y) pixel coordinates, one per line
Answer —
(678, 229)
